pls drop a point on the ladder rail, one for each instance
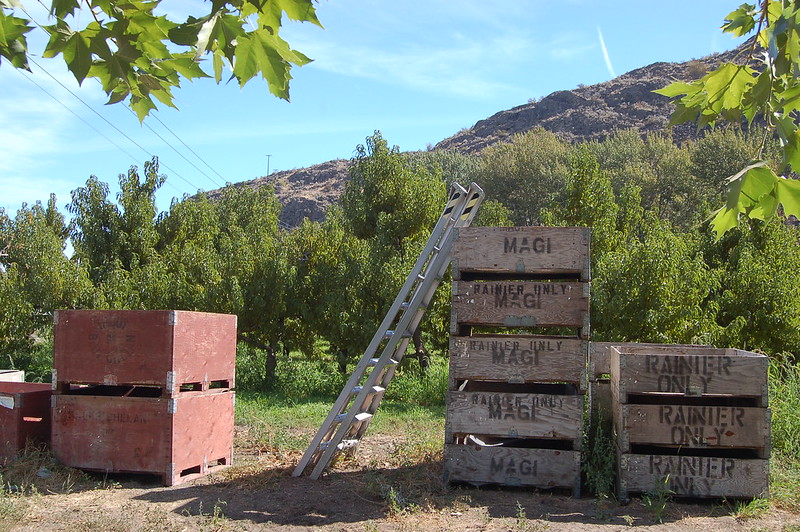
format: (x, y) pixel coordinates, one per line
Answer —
(470, 209)
(396, 346)
(458, 197)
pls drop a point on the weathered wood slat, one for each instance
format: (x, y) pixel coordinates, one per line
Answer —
(518, 358)
(516, 415)
(691, 371)
(693, 476)
(509, 466)
(693, 427)
(520, 304)
(557, 251)
(600, 355)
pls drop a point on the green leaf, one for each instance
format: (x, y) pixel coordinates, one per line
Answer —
(741, 21)
(13, 45)
(675, 89)
(754, 184)
(724, 220)
(765, 208)
(77, 56)
(186, 66)
(787, 192)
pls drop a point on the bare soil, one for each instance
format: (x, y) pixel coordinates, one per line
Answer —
(379, 489)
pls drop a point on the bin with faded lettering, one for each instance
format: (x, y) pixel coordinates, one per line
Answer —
(550, 252)
(173, 349)
(518, 352)
(24, 416)
(694, 420)
(126, 429)
(516, 359)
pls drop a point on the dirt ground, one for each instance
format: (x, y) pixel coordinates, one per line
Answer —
(373, 491)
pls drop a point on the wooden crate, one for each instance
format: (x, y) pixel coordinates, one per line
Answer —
(176, 350)
(521, 251)
(600, 355)
(12, 375)
(24, 416)
(518, 359)
(693, 476)
(689, 426)
(520, 304)
(510, 466)
(177, 438)
(688, 371)
(516, 415)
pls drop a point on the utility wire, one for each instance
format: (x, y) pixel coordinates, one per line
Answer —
(109, 123)
(190, 149)
(79, 117)
(112, 125)
(174, 149)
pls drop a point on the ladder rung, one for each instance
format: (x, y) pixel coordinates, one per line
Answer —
(362, 416)
(374, 362)
(420, 277)
(374, 389)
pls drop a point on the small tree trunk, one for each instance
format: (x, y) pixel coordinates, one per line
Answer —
(270, 365)
(422, 355)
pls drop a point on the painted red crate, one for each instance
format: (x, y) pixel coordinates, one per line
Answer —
(176, 438)
(174, 349)
(24, 415)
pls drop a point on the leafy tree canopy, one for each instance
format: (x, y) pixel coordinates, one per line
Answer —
(140, 55)
(766, 84)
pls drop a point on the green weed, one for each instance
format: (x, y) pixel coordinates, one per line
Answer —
(752, 509)
(657, 499)
(600, 459)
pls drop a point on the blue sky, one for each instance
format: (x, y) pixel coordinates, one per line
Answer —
(419, 71)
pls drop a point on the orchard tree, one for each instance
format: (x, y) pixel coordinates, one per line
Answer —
(36, 277)
(766, 86)
(139, 53)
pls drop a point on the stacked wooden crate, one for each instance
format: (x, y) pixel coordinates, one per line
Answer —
(518, 350)
(144, 391)
(691, 420)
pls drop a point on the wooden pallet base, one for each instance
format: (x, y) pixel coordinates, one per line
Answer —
(510, 466)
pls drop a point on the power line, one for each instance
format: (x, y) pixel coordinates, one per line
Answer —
(190, 149)
(65, 106)
(112, 125)
(105, 120)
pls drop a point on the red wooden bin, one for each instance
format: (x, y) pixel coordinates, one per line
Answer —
(173, 349)
(24, 416)
(180, 438)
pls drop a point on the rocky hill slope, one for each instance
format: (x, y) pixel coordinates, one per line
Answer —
(584, 113)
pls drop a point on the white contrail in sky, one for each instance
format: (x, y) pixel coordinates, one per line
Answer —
(605, 53)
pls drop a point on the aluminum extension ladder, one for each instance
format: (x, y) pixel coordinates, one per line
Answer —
(350, 415)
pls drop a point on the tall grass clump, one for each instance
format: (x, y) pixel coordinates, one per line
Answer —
(413, 386)
(784, 391)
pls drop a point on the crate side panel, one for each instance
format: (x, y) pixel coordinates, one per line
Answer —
(690, 371)
(523, 250)
(204, 347)
(521, 303)
(516, 415)
(508, 466)
(514, 358)
(689, 426)
(24, 415)
(113, 346)
(694, 476)
(202, 430)
(114, 434)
